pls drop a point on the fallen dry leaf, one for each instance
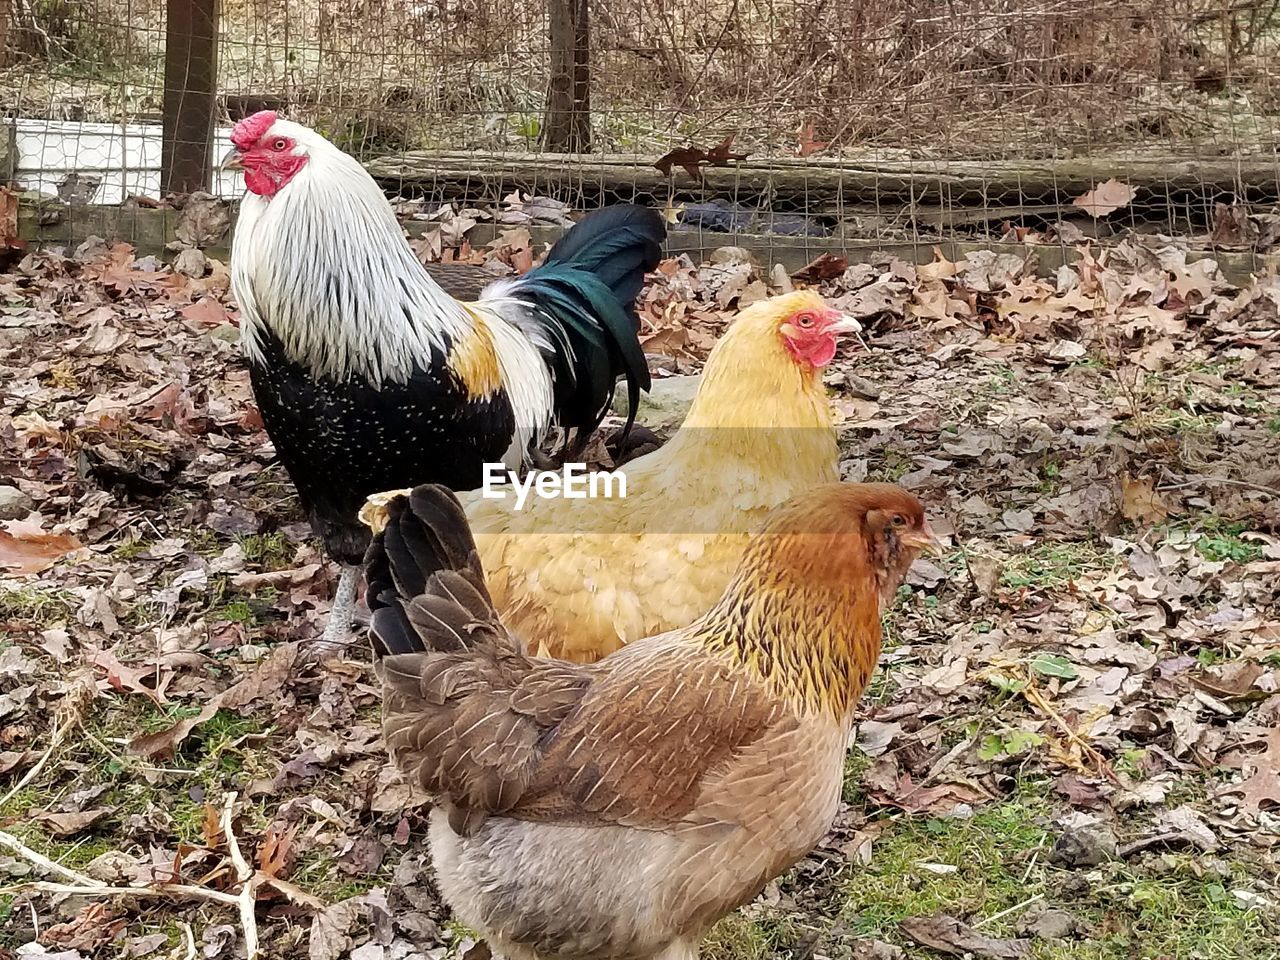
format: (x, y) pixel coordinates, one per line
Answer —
(826, 266)
(1105, 198)
(149, 681)
(949, 935)
(94, 926)
(809, 144)
(266, 680)
(164, 743)
(9, 220)
(1141, 501)
(208, 311)
(1262, 786)
(276, 855)
(692, 159)
(330, 929)
(69, 824)
(16, 759)
(33, 552)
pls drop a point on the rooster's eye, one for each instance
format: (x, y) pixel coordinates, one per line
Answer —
(280, 143)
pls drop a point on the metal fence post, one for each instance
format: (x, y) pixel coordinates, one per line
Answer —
(190, 77)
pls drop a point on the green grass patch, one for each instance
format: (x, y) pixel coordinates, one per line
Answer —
(38, 605)
(891, 467)
(238, 611)
(248, 609)
(1180, 423)
(1053, 565)
(991, 853)
(1167, 906)
(1220, 547)
(1151, 907)
(271, 551)
(1002, 382)
(856, 765)
(739, 937)
(1218, 538)
(130, 549)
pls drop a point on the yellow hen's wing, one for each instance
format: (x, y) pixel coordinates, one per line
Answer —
(578, 579)
(582, 596)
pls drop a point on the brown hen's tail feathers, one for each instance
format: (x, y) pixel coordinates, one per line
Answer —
(426, 585)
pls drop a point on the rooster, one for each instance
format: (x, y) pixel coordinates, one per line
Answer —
(369, 376)
(579, 578)
(618, 810)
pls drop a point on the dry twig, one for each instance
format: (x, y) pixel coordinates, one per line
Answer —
(78, 884)
(247, 877)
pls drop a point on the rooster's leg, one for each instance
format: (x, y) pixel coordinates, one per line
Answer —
(336, 633)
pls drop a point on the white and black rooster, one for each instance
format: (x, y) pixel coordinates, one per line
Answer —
(370, 377)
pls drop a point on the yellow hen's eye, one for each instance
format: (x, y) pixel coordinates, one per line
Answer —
(805, 320)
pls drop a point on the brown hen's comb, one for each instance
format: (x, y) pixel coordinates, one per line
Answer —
(250, 130)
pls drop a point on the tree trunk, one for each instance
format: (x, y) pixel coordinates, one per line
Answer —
(566, 127)
(190, 75)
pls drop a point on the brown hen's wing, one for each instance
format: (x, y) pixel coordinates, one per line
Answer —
(492, 731)
(658, 720)
(422, 534)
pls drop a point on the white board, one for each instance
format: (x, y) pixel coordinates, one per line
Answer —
(126, 157)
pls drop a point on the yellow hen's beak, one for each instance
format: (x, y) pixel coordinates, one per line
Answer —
(924, 540)
(231, 160)
(846, 324)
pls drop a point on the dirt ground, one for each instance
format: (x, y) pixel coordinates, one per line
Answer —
(1071, 748)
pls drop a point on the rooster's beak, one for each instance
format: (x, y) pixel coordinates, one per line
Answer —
(924, 540)
(231, 160)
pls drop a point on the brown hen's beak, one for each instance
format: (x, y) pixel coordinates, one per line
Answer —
(231, 160)
(924, 540)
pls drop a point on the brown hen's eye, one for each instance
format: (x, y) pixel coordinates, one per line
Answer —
(898, 520)
(280, 143)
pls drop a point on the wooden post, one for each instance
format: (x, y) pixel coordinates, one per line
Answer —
(190, 75)
(7, 16)
(566, 127)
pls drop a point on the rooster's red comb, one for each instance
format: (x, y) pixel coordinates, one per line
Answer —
(250, 130)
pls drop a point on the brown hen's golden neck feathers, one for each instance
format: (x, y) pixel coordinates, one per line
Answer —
(803, 611)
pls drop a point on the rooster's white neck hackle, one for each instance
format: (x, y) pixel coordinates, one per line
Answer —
(325, 265)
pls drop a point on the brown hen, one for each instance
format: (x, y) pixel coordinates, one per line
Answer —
(618, 810)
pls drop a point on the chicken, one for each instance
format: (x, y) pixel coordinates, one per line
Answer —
(369, 376)
(576, 579)
(619, 809)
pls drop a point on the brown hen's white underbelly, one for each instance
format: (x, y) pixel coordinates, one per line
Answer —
(546, 891)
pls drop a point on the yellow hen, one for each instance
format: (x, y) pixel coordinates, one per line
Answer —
(577, 579)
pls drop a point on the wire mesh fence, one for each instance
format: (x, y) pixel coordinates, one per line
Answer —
(901, 120)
